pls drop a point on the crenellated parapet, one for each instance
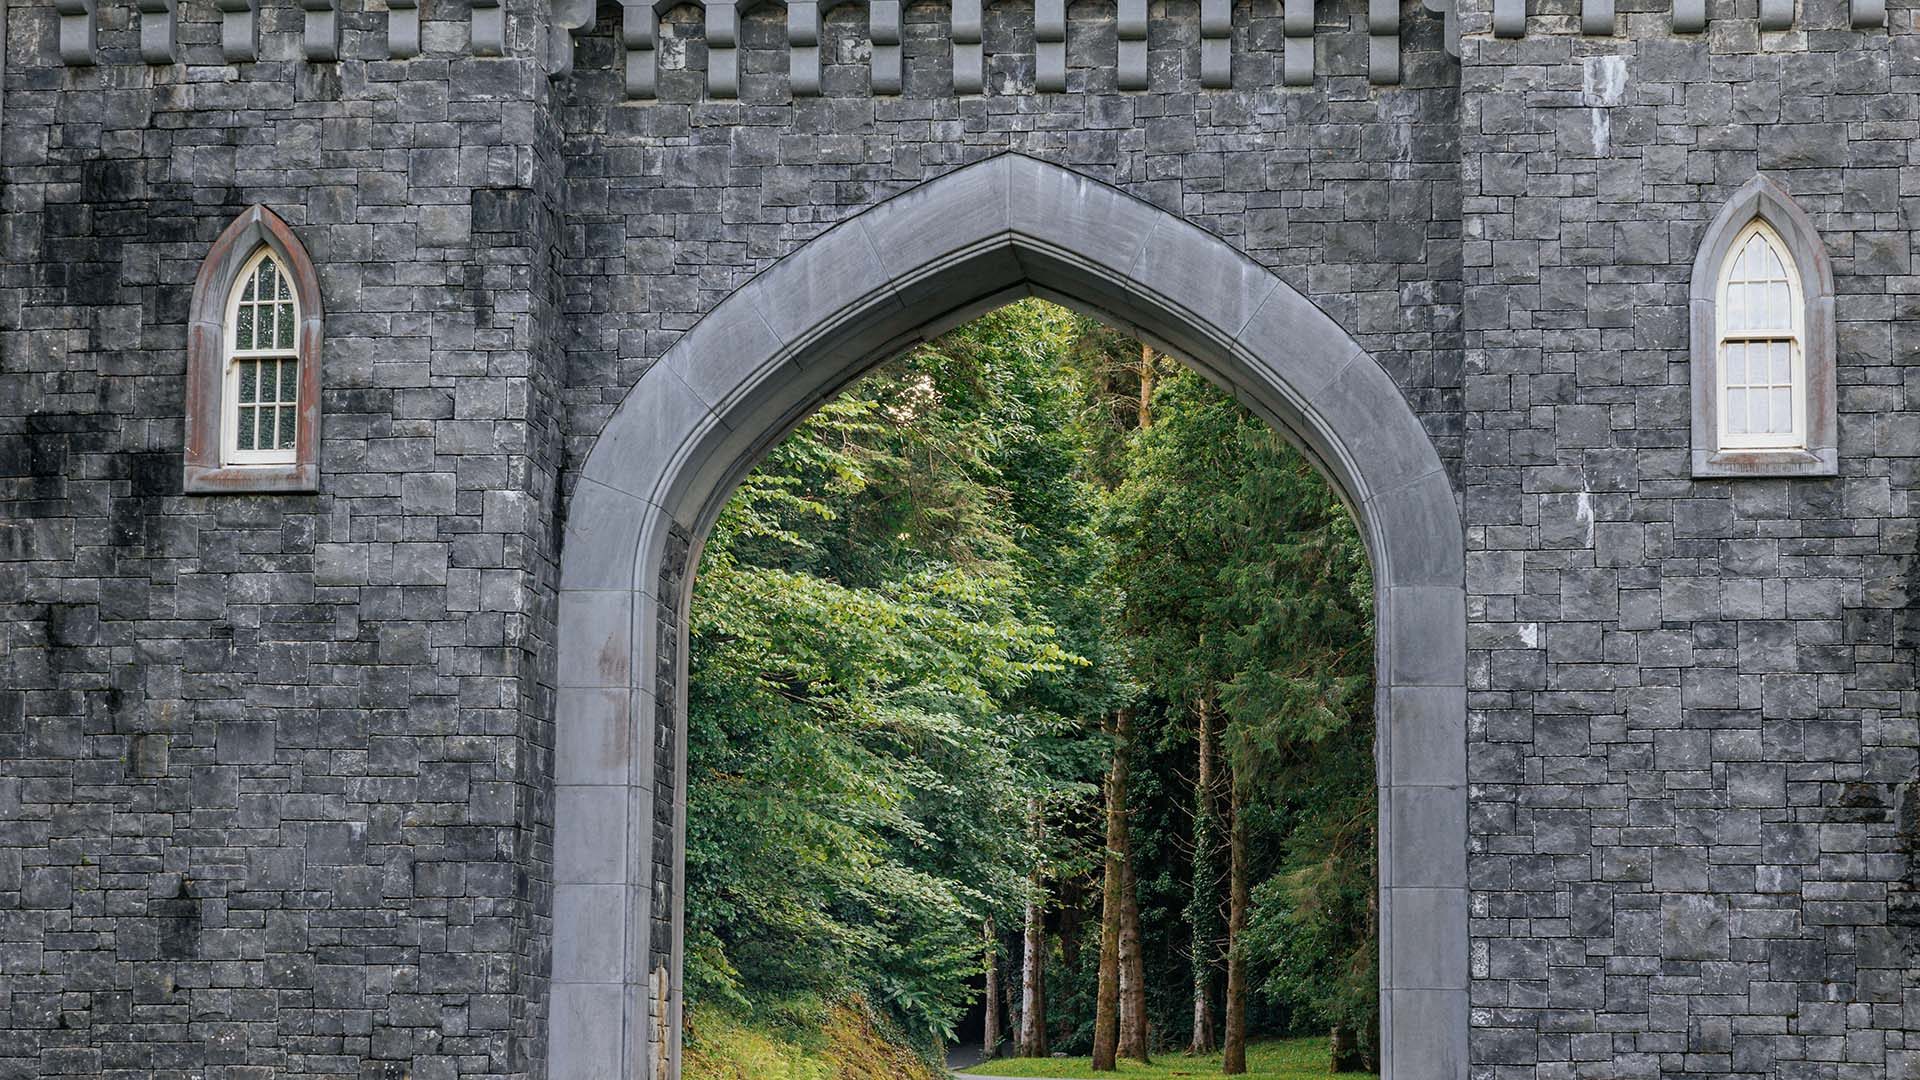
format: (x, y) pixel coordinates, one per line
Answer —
(640, 22)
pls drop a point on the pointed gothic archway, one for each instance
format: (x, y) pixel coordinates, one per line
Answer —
(766, 356)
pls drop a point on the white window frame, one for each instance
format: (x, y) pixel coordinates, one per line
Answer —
(232, 354)
(1792, 331)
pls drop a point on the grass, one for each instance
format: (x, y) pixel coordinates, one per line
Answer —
(846, 1047)
(1279, 1059)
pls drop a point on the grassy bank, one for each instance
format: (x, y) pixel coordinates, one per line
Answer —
(1282, 1059)
(846, 1047)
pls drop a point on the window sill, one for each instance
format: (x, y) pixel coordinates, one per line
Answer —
(252, 479)
(1762, 464)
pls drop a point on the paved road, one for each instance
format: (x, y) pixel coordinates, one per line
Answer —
(966, 1056)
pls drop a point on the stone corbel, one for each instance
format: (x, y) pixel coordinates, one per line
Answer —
(1510, 18)
(640, 35)
(78, 25)
(320, 38)
(403, 29)
(883, 29)
(803, 47)
(1216, 44)
(1868, 14)
(969, 52)
(723, 49)
(1776, 14)
(565, 18)
(1050, 45)
(239, 30)
(1297, 25)
(157, 24)
(1689, 16)
(489, 29)
(1596, 17)
(1133, 44)
(1383, 42)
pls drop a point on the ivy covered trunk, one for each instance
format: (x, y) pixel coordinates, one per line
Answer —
(1106, 1016)
(1204, 911)
(1235, 1061)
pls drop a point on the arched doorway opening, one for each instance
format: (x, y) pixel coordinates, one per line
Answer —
(764, 358)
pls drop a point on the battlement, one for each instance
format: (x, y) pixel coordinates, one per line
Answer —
(643, 29)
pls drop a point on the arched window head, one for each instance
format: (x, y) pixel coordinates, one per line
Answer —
(253, 363)
(1763, 346)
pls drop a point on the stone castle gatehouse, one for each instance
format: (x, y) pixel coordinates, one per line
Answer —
(371, 369)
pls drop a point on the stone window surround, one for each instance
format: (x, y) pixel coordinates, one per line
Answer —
(1761, 199)
(206, 472)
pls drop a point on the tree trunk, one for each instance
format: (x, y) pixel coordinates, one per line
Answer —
(990, 1037)
(1204, 912)
(1033, 968)
(1106, 1007)
(1236, 1043)
(1133, 983)
(1145, 415)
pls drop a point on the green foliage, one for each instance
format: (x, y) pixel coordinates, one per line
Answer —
(914, 616)
(892, 651)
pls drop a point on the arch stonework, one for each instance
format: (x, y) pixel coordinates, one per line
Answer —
(767, 355)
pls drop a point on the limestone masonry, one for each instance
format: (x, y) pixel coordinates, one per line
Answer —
(373, 769)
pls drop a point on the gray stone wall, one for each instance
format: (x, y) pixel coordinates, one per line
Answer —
(1694, 747)
(275, 771)
(270, 766)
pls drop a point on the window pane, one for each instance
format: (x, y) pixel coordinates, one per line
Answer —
(249, 377)
(1758, 295)
(243, 332)
(1736, 358)
(1782, 410)
(289, 375)
(265, 278)
(245, 439)
(246, 293)
(286, 427)
(285, 327)
(282, 279)
(1782, 368)
(1737, 411)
